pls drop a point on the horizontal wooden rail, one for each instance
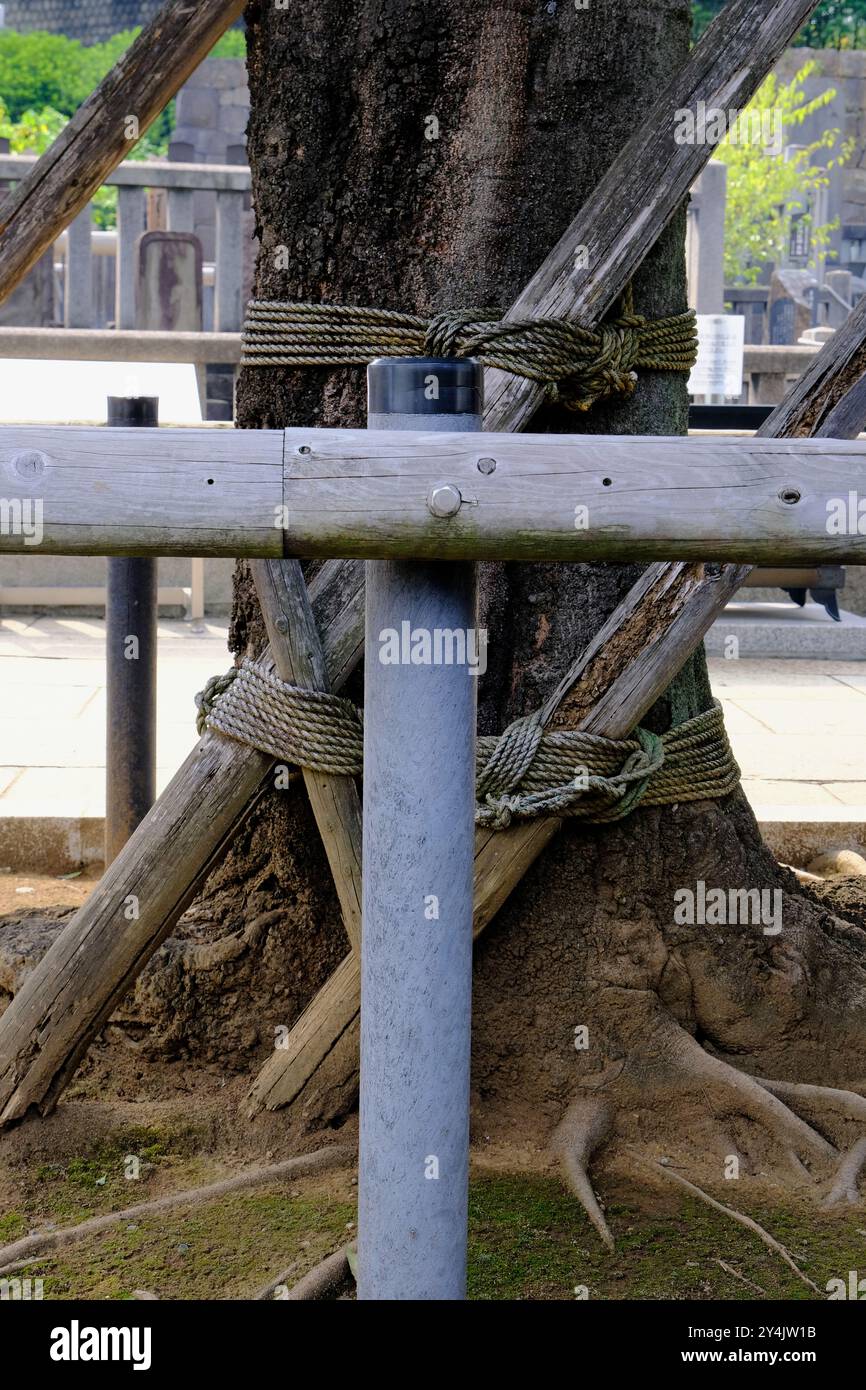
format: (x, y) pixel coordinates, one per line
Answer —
(141, 492)
(564, 497)
(152, 173)
(371, 494)
(118, 345)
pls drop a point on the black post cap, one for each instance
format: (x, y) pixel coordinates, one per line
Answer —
(425, 386)
(133, 410)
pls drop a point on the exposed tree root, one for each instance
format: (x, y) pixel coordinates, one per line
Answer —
(769, 1241)
(829, 1101)
(585, 1125)
(325, 1281)
(733, 1091)
(207, 955)
(335, 1156)
(735, 1274)
(24, 1264)
(265, 1291)
(845, 1186)
(802, 875)
(817, 1099)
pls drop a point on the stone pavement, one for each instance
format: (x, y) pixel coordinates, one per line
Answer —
(52, 729)
(798, 728)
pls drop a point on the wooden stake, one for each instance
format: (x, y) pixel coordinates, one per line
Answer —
(300, 658)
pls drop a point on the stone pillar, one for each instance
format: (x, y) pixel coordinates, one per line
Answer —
(705, 250)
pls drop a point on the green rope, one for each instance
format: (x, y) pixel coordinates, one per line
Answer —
(521, 773)
(575, 365)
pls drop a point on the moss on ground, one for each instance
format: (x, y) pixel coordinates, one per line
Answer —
(528, 1238)
(221, 1250)
(126, 1167)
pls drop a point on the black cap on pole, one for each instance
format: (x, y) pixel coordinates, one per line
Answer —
(133, 410)
(425, 386)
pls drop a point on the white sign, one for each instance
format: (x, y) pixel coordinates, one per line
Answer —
(719, 368)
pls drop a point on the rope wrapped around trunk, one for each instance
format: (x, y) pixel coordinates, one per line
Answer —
(520, 773)
(575, 365)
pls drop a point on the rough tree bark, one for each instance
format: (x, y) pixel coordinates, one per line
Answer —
(528, 104)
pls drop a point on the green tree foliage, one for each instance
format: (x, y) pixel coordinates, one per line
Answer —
(835, 23)
(763, 187)
(44, 78)
(40, 70)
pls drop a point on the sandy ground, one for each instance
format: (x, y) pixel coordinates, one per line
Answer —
(27, 892)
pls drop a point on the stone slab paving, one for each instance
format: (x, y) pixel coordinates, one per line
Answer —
(52, 729)
(798, 728)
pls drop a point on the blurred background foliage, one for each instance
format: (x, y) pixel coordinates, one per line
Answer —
(835, 23)
(44, 78)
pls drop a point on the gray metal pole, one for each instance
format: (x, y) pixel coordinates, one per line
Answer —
(130, 655)
(419, 804)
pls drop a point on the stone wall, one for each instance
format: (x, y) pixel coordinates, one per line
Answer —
(213, 108)
(91, 21)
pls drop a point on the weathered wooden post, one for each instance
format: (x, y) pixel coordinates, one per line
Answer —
(418, 839)
(130, 658)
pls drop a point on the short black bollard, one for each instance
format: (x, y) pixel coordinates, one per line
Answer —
(130, 655)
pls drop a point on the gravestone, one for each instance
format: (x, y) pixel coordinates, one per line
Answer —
(782, 321)
(705, 240)
(168, 288)
(790, 290)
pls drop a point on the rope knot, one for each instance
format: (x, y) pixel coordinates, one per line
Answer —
(575, 365)
(511, 758)
(501, 811)
(444, 331)
(207, 698)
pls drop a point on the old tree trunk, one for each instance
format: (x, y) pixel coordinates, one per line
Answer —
(529, 104)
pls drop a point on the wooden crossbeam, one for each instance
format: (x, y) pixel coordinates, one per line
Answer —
(574, 497)
(101, 134)
(180, 492)
(366, 493)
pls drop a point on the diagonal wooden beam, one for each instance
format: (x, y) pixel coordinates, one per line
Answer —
(101, 134)
(638, 196)
(300, 658)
